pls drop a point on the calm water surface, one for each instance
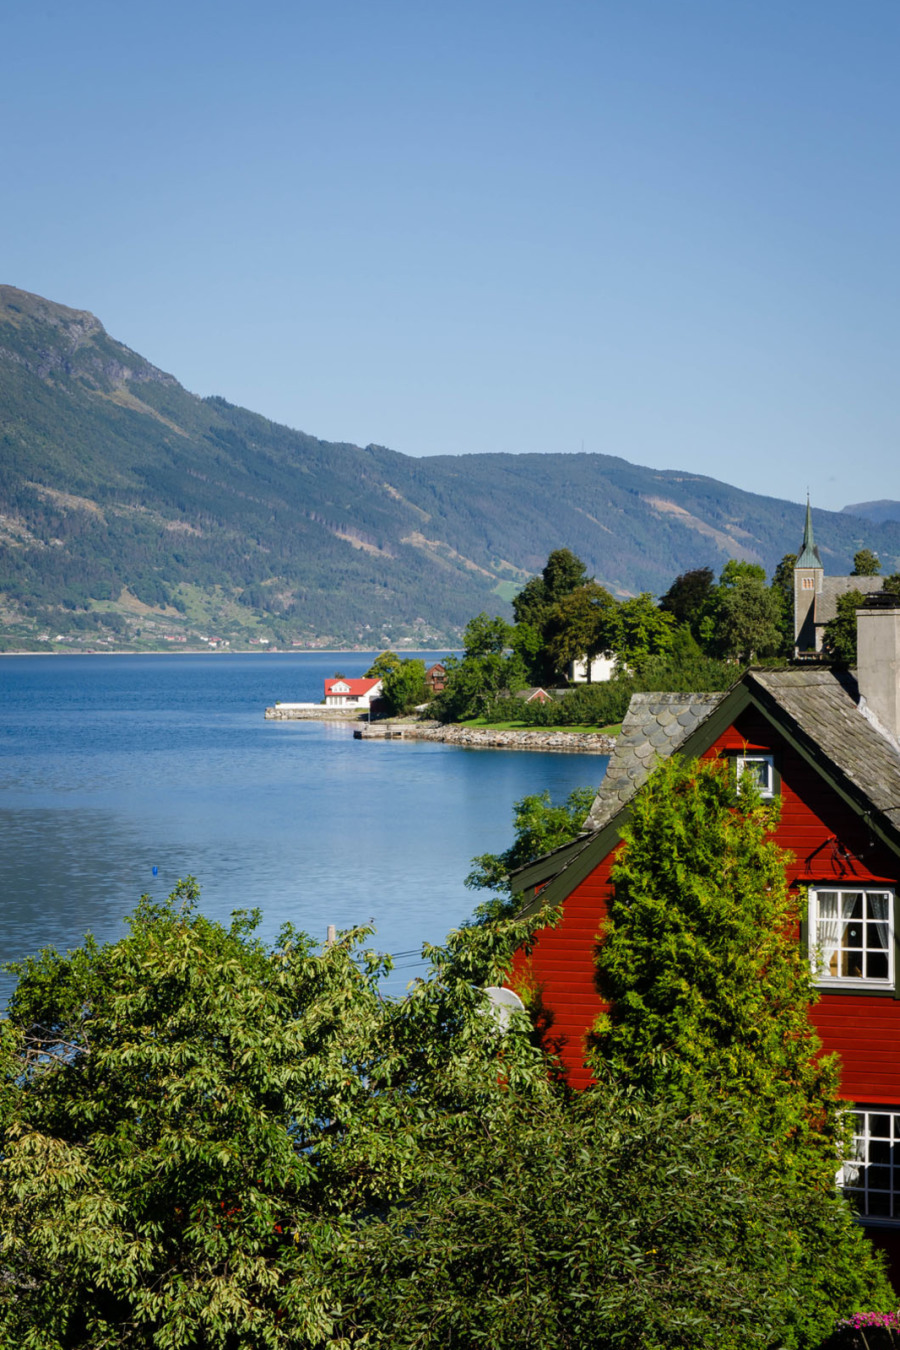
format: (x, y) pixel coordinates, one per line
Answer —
(111, 766)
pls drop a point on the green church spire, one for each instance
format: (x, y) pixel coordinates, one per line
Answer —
(809, 554)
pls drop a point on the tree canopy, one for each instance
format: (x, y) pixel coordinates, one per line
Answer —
(865, 563)
(404, 687)
(383, 665)
(839, 635)
(194, 1126)
(209, 1143)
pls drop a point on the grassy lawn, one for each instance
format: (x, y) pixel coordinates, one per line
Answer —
(527, 726)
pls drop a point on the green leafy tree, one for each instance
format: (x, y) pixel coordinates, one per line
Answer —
(839, 636)
(709, 993)
(404, 687)
(783, 588)
(528, 645)
(215, 1145)
(891, 584)
(608, 1221)
(540, 825)
(531, 604)
(486, 635)
(736, 570)
(865, 564)
(749, 618)
(642, 631)
(581, 626)
(563, 573)
(196, 1129)
(688, 597)
(486, 670)
(383, 665)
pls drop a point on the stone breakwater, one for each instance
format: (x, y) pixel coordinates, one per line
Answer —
(311, 712)
(583, 742)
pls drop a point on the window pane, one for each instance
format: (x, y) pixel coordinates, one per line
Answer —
(828, 904)
(877, 966)
(879, 1205)
(876, 936)
(879, 1127)
(878, 906)
(855, 899)
(853, 935)
(879, 1152)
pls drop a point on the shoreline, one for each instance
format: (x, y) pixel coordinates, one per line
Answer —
(281, 651)
(488, 738)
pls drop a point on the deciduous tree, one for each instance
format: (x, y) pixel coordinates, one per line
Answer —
(404, 687)
(687, 597)
(839, 636)
(383, 665)
(865, 564)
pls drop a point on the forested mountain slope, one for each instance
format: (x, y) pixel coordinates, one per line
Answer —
(127, 503)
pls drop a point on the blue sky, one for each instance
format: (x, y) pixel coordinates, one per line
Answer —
(661, 229)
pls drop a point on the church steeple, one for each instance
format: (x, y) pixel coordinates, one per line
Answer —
(809, 554)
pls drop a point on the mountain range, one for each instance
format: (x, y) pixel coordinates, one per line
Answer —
(133, 511)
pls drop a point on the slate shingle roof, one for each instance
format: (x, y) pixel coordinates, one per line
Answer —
(654, 728)
(821, 706)
(832, 587)
(825, 705)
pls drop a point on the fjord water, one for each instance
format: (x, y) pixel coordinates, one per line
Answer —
(113, 765)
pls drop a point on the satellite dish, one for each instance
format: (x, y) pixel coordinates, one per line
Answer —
(504, 1002)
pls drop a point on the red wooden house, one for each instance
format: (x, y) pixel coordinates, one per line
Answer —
(436, 678)
(826, 742)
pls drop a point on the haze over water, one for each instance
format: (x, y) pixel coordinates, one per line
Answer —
(111, 766)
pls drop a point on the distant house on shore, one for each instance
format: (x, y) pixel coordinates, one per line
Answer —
(534, 695)
(436, 677)
(343, 693)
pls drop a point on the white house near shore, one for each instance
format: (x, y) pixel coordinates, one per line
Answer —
(602, 668)
(343, 693)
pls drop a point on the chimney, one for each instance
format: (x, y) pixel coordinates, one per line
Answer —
(878, 658)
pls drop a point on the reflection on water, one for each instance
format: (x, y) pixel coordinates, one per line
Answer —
(111, 766)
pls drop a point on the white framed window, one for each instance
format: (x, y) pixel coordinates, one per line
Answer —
(761, 769)
(851, 937)
(870, 1177)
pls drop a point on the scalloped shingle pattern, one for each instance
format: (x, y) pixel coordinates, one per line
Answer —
(654, 728)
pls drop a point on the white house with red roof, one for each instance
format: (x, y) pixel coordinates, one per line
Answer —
(344, 693)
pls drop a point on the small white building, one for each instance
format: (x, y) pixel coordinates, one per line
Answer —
(342, 693)
(602, 668)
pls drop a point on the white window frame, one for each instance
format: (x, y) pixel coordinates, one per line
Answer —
(870, 1177)
(821, 941)
(766, 784)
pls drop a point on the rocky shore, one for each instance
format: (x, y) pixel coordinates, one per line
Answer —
(583, 742)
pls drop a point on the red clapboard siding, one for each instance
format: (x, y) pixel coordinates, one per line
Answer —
(829, 844)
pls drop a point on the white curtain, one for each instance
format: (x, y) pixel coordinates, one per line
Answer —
(834, 910)
(879, 910)
(827, 935)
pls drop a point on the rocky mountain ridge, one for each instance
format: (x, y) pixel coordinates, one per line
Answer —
(134, 512)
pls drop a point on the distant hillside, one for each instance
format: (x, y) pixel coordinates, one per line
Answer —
(133, 511)
(875, 511)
